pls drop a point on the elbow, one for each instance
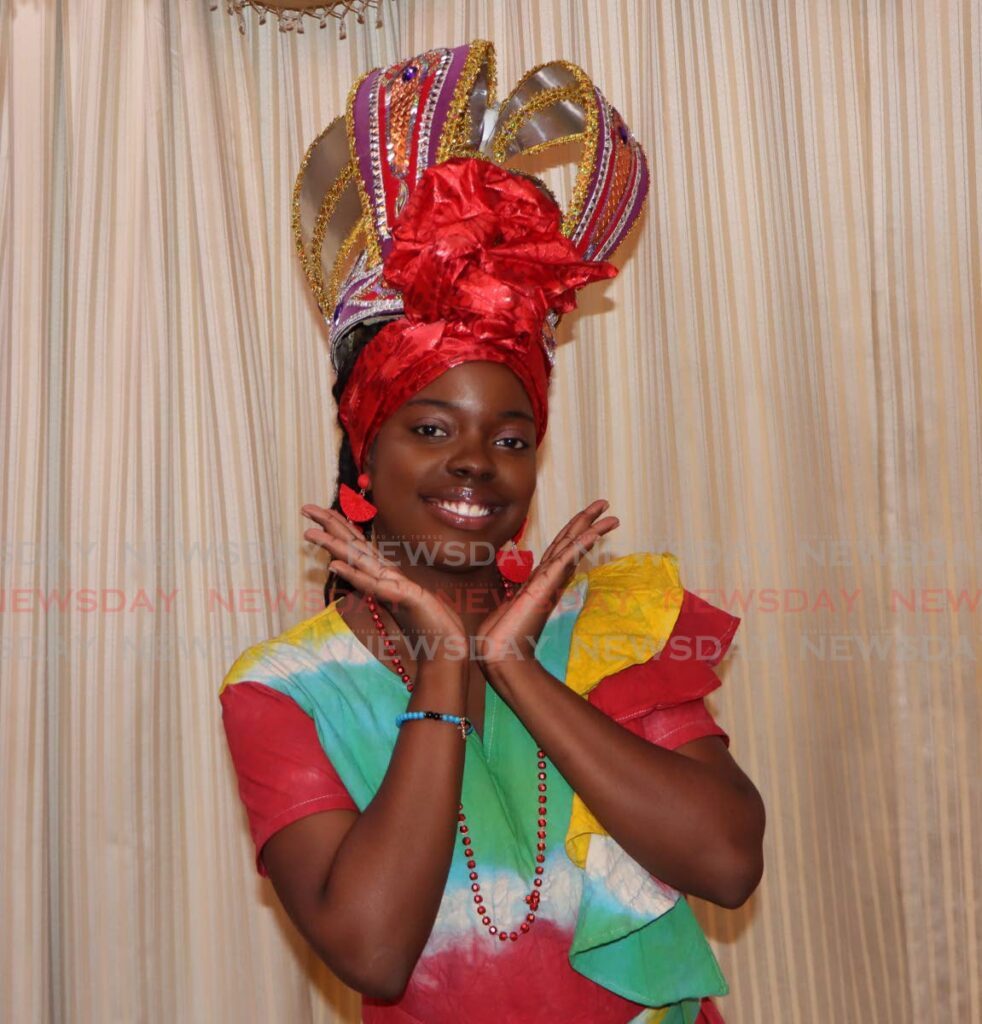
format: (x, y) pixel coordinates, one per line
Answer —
(387, 982)
(744, 865)
(738, 883)
(385, 990)
(364, 953)
(376, 975)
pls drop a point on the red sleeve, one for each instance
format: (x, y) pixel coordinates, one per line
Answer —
(662, 698)
(675, 726)
(282, 769)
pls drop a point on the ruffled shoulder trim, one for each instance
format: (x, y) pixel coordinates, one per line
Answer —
(681, 671)
(629, 610)
(662, 645)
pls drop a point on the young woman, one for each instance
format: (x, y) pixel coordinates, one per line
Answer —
(480, 789)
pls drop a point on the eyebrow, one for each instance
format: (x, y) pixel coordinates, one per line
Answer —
(508, 414)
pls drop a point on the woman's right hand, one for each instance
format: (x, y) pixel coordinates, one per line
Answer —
(418, 611)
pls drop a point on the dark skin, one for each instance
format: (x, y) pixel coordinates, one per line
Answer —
(410, 458)
(691, 817)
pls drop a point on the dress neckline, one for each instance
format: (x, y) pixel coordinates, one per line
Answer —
(372, 659)
(491, 699)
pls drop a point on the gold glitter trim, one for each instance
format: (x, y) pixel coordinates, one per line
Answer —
(374, 256)
(541, 147)
(505, 134)
(368, 211)
(581, 92)
(315, 270)
(311, 257)
(454, 139)
(307, 258)
(340, 263)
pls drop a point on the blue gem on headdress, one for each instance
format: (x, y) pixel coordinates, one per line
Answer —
(622, 132)
(337, 313)
(409, 72)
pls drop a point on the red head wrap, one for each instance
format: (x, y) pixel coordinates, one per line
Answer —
(480, 260)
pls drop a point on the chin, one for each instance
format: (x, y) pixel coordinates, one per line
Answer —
(463, 553)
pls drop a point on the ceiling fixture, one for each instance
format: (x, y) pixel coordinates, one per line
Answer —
(290, 17)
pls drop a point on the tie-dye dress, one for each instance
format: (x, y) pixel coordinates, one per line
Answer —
(310, 722)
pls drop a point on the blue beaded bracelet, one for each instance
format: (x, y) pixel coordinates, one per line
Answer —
(458, 720)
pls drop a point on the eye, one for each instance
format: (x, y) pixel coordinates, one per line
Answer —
(515, 443)
(427, 427)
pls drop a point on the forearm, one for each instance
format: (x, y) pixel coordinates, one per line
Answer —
(684, 821)
(390, 872)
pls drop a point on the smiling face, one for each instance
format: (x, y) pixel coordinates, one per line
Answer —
(456, 462)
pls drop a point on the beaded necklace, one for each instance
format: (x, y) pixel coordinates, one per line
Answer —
(467, 840)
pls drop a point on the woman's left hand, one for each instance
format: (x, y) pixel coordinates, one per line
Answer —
(510, 632)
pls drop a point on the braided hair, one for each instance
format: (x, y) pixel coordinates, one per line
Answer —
(351, 347)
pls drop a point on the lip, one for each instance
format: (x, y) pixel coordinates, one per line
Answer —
(467, 494)
(458, 521)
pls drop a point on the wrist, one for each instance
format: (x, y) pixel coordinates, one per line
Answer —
(508, 671)
(460, 722)
(448, 649)
(441, 666)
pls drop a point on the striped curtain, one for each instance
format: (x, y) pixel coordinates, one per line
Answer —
(782, 388)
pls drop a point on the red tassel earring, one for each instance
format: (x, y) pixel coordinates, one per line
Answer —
(513, 564)
(354, 505)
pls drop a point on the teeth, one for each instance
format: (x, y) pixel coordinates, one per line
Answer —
(461, 508)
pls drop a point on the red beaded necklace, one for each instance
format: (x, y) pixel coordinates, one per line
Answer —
(532, 899)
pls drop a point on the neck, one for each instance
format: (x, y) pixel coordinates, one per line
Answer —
(473, 591)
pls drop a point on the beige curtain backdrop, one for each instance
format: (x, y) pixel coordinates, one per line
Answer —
(782, 387)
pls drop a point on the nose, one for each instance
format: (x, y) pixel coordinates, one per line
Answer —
(470, 458)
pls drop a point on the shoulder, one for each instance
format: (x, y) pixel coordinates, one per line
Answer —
(301, 649)
(642, 584)
(634, 609)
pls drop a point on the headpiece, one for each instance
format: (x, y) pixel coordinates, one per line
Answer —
(402, 210)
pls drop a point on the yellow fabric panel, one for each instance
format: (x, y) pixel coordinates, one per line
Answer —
(629, 613)
(630, 610)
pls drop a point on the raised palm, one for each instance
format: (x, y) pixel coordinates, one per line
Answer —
(511, 631)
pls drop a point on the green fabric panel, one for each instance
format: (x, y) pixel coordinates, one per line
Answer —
(661, 962)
